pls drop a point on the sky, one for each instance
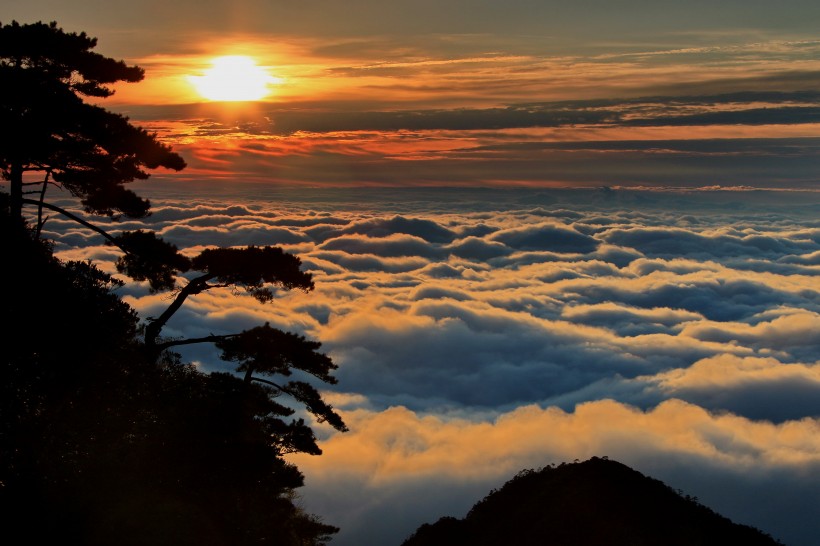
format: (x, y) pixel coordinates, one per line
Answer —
(467, 92)
(539, 231)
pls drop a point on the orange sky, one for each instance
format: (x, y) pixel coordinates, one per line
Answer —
(460, 91)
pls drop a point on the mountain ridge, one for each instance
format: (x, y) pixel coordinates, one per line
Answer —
(590, 503)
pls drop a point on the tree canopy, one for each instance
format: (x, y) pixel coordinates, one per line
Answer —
(102, 426)
(47, 128)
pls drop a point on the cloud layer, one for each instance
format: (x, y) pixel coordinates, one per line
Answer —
(479, 332)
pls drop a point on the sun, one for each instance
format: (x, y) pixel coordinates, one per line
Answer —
(234, 78)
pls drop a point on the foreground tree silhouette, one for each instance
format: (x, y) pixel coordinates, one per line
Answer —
(102, 426)
(48, 129)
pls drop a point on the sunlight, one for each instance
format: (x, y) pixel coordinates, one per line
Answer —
(234, 78)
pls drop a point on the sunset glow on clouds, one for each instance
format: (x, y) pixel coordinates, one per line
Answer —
(423, 159)
(479, 332)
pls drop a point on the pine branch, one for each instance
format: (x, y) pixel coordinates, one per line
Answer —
(77, 219)
(195, 286)
(191, 341)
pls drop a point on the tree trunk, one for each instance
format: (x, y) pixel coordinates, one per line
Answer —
(154, 327)
(16, 190)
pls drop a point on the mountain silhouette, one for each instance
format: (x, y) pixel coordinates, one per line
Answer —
(598, 502)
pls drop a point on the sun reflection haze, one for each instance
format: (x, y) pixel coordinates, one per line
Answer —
(234, 78)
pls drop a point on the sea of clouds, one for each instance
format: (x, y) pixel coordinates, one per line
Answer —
(481, 332)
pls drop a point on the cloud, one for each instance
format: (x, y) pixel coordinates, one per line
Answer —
(398, 456)
(550, 237)
(666, 242)
(425, 229)
(795, 333)
(441, 157)
(751, 116)
(425, 120)
(719, 296)
(477, 248)
(758, 388)
(719, 109)
(465, 352)
(630, 321)
(439, 292)
(441, 271)
(392, 246)
(752, 108)
(812, 258)
(371, 262)
(232, 234)
(478, 332)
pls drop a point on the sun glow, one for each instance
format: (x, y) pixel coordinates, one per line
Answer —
(234, 78)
